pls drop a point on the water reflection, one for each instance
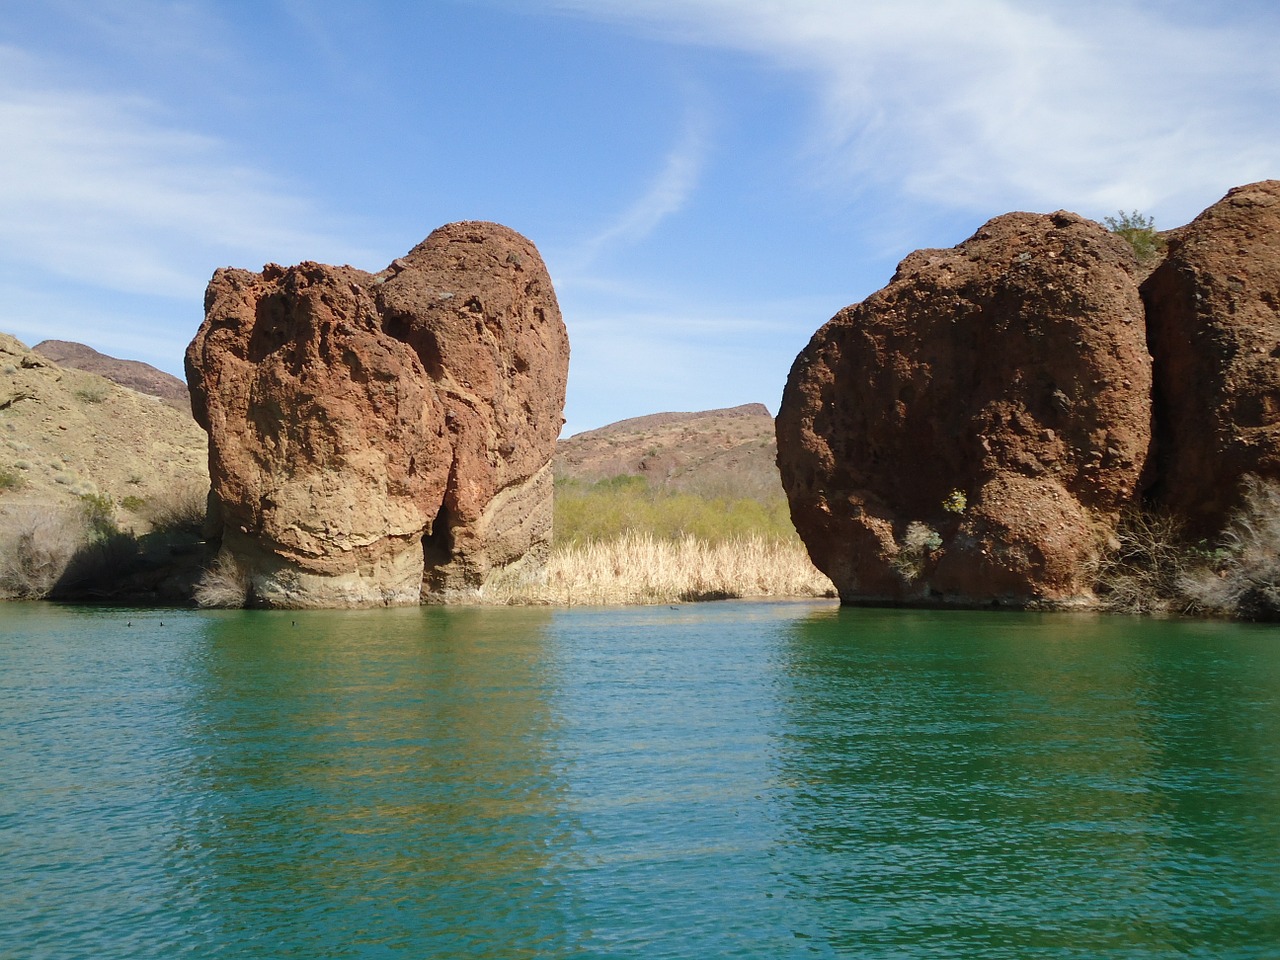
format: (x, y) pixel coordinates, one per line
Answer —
(747, 780)
(365, 784)
(992, 786)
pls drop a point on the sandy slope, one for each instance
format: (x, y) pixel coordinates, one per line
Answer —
(65, 433)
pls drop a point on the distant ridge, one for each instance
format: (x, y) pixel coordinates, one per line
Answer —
(654, 420)
(727, 452)
(133, 374)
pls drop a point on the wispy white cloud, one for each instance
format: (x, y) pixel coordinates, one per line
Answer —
(103, 188)
(666, 196)
(978, 103)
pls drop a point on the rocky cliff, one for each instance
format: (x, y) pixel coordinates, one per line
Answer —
(383, 438)
(971, 433)
(1213, 306)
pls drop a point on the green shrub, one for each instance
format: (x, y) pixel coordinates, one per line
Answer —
(133, 503)
(918, 543)
(94, 394)
(99, 515)
(1141, 233)
(607, 509)
(10, 479)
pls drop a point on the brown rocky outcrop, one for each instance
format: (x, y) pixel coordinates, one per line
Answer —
(378, 438)
(1213, 308)
(969, 433)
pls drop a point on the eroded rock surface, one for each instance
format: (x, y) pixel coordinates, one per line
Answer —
(378, 438)
(970, 432)
(1213, 307)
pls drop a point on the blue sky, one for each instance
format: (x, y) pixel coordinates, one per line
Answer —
(708, 180)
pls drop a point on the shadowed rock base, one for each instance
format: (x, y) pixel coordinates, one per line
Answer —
(387, 580)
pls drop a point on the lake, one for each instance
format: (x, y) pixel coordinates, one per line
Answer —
(763, 780)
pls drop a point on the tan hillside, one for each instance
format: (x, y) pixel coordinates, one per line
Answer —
(65, 433)
(133, 374)
(716, 453)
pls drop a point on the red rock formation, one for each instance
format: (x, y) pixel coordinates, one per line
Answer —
(1213, 308)
(352, 415)
(967, 433)
(475, 303)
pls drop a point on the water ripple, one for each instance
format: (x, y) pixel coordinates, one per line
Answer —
(727, 780)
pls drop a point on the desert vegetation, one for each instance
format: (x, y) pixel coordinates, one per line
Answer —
(178, 509)
(78, 548)
(36, 546)
(1153, 567)
(622, 541)
(223, 584)
(1140, 231)
(608, 509)
(1243, 578)
(641, 568)
(47, 548)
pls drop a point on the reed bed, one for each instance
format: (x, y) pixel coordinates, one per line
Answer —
(639, 568)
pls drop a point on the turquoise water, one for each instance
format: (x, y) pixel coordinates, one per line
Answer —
(717, 780)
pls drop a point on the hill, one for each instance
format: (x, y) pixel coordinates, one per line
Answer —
(710, 521)
(67, 433)
(133, 374)
(729, 453)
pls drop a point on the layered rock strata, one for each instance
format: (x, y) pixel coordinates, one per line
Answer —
(383, 438)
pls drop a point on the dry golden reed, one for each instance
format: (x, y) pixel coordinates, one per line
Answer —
(638, 568)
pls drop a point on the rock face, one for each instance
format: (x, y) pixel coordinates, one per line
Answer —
(968, 433)
(1213, 307)
(381, 438)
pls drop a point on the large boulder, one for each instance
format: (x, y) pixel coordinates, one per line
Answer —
(381, 438)
(1213, 308)
(970, 433)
